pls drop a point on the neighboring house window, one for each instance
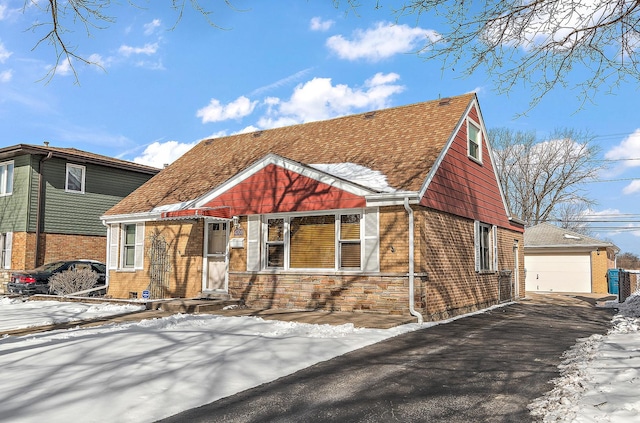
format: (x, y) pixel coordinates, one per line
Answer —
(326, 241)
(6, 178)
(5, 250)
(75, 178)
(474, 141)
(486, 247)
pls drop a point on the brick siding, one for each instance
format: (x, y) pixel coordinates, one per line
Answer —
(185, 243)
(446, 283)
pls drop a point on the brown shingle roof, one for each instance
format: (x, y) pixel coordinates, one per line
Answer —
(403, 143)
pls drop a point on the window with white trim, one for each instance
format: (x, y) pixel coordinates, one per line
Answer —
(486, 247)
(75, 178)
(126, 246)
(129, 245)
(474, 141)
(350, 241)
(6, 240)
(314, 241)
(6, 178)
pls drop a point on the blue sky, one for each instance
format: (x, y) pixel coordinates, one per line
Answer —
(163, 87)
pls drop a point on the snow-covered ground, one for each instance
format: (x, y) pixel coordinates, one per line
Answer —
(144, 371)
(600, 375)
(19, 314)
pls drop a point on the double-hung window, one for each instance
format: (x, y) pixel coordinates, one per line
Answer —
(129, 245)
(323, 241)
(350, 241)
(486, 247)
(75, 178)
(275, 243)
(126, 246)
(474, 141)
(5, 250)
(6, 178)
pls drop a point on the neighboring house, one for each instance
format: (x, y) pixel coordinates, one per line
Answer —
(395, 211)
(51, 200)
(560, 260)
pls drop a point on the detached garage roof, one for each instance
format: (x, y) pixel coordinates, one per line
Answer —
(546, 235)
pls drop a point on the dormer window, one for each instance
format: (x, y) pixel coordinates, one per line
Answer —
(474, 141)
(75, 178)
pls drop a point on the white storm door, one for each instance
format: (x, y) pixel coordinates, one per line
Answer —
(216, 257)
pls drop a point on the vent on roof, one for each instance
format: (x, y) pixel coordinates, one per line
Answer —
(444, 101)
(568, 236)
(369, 115)
(257, 134)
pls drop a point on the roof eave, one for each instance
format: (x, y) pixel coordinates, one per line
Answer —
(392, 198)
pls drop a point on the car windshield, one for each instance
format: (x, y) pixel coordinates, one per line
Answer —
(49, 267)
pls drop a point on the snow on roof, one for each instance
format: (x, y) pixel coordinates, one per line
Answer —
(357, 174)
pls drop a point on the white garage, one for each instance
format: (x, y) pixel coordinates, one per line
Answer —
(559, 260)
(558, 272)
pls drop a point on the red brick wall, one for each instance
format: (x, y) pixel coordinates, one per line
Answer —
(55, 247)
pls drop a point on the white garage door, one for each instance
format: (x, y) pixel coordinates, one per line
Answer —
(558, 273)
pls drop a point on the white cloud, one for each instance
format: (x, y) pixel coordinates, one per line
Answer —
(5, 76)
(217, 112)
(64, 68)
(158, 154)
(319, 99)
(381, 42)
(632, 188)
(4, 53)
(148, 49)
(151, 27)
(629, 148)
(317, 24)
(3, 11)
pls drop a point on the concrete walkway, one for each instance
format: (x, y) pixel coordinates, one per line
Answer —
(319, 317)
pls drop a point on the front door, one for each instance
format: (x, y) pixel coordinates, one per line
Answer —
(216, 257)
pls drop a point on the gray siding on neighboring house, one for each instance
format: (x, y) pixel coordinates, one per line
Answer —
(76, 213)
(13, 208)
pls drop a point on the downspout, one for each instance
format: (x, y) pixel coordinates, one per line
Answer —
(412, 309)
(40, 207)
(108, 255)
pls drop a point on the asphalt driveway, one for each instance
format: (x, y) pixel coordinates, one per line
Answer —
(483, 368)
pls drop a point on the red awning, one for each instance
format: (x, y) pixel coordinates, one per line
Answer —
(219, 212)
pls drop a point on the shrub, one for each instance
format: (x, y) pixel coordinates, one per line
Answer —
(70, 281)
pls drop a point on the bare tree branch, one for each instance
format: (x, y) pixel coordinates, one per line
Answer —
(544, 180)
(64, 16)
(535, 42)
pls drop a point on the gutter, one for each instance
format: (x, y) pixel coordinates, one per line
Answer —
(412, 309)
(40, 207)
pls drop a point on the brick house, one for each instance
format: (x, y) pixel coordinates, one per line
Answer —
(560, 260)
(395, 211)
(51, 200)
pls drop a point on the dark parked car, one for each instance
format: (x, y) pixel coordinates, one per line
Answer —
(36, 281)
